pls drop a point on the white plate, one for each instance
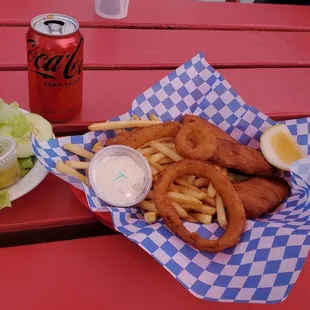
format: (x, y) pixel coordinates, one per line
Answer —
(31, 180)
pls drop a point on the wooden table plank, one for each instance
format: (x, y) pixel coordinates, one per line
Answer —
(168, 14)
(134, 48)
(50, 204)
(106, 273)
(280, 93)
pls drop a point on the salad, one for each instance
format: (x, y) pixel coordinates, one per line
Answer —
(18, 125)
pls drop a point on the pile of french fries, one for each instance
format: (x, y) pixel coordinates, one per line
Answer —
(195, 199)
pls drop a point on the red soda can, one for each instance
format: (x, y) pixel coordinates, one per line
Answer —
(55, 67)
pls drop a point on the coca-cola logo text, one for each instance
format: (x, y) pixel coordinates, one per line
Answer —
(44, 64)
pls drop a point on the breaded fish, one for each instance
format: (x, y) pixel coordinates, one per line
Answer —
(140, 136)
(243, 158)
(261, 195)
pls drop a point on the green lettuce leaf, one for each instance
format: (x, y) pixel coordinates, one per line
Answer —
(4, 199)
(11, 115)
(23, 172)
(25, 163)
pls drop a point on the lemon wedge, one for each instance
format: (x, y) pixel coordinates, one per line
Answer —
(279, 147)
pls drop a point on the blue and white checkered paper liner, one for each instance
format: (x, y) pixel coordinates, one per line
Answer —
(265, 264)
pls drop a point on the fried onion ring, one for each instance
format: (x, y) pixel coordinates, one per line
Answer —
(235, 210)
(219, 133)
(191, 142)
(137, 138)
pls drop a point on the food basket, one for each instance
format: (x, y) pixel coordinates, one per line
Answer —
(266, 262)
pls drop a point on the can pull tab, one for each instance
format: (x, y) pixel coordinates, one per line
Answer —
(55, 26)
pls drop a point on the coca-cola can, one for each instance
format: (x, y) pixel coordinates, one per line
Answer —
(55, 67)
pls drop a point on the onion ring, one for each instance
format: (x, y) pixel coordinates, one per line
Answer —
(190, 141)
(219, 133)
(235, 210)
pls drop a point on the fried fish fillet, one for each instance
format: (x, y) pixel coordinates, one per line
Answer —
(240, 157)
(261, 195)
(140, 136)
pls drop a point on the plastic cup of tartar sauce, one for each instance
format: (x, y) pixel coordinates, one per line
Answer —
(120, 176)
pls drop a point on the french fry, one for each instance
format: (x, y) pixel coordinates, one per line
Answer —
(147, 158)
(121, 124)
(77, 164)
(190, 207)
(224, 170)
(154, 171)
(157, 166)
(153, 117)
(184, 183)
(147, 151)
(64, 169)
(97, 147)
(202, 218)
(150, 217)
(200, 182)
(208, 210)
(190, 218)
(174, 188)
(148, 206)
(166, 150)
(170, 145)
(155, 158)
(118, 131)
(209, 200)
(181, 212)
(201, 209)
(191, 192)
(190, 179)
(165, 140)
(135, 117)
(182, 198)
(165, 160)
(211, 191)
(151, 150)
(220, 210)
(150, 195)
(78, 151)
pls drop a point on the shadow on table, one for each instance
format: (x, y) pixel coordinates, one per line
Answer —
(54, 234)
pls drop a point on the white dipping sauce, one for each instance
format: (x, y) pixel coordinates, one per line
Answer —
(120, 176)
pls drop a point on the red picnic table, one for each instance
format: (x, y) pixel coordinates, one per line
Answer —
(106, 273)
(262, 50)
